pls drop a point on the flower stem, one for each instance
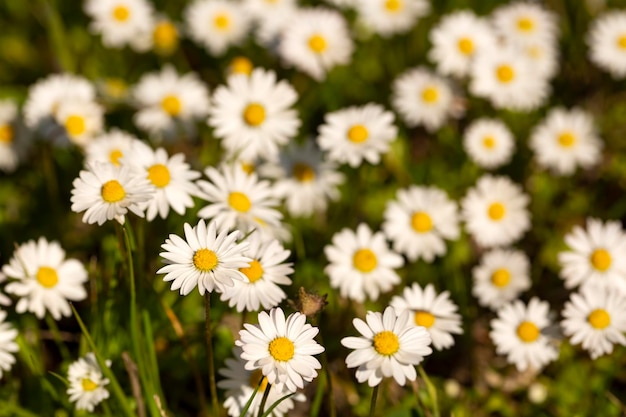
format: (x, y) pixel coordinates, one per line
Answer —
(432, 391)
(209, 350)
(373, 403)
(266, 394)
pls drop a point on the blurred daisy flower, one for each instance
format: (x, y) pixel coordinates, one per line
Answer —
(390, 345)
(4, 300)
(489, 143)
(419, 221)
(356, 133)
(121, 22)
(206, 258)
(240, 65)
(282, 348)
(607, 42)
(390, 17)
(435, 312)
(9, 157)
(495, 211)
(525, 23)
(44, 280)
(270, 18)
(165, 36)
(7, 344)
(82, 120)
(87, 383)
(361, 263)
(109, 147)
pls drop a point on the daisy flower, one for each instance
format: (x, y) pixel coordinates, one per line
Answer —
(315, 40)
(390, 345)
(8, 152)
(489, 143)
(264, 273)
(109, 147)
(282, 348)
(595, 256)
(82, 120)
(216, 24)
(361, 263)
(270, 17)
(356, 133)
(596, 318)
(121, 22)
(607, 42)
(106, 192)
(517, 333)
(390, 17)
(566, 139)
(7, 344)
(419, 221)
(254, 115)
(422, 98)
(525, 23)
(437, 313)
(500, 277)
(87, 383)
(205, 258)
(165, 97)
(495, 211)
(44, 279)
(543, 58)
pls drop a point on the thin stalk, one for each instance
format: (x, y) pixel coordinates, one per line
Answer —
(56, 334)
(134, 324)
(373, 403)
(432, 391)
(209, 351)
(329, 383)
(266, 394)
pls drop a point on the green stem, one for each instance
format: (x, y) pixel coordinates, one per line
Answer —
(209, 347)
(432, 391)
(373, 403)
(266, 394)
(56, 334)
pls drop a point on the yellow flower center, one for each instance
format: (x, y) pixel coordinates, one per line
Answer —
(364, 260)
(254, 272)
(115, 87)
(171, 105)
(567, 139)
(114, 156)
(205, 260)
(239, 201)
(121, 13)
(165, 35)
(424, 318)
(358, 134)
(466, 46)
(621, 42)
(421, 222)
(256, 378)
(221, 21)
(430, 95)
(88, 384)
(254, 114)
(527, 332)
(317, 43)
(241, 65)
(601, 259)
(247, 167)
(496, 211)
(47, 277)
(112, 191)
(393, 5)
(525, 24)
(599, 319)
(6, 134)
(489, 142)
(159, 175)
(281, 349)
(75, 125)
(386, 343)
(501, 277)
(303, 172)
(505, 73)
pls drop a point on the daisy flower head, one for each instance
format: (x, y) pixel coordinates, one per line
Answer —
(216, 24)
(356, 133)
(500, 277)
(389, 345)
(422, 98)
(595, 256)
(165, 98)
(456, 39)
(361, 263)
(121, 22)
(282, 348)
(525, 23)
(44, 280)
(566, 139)
(206, 257)
(489, 143)
(315, 40)
(435, 312)
(87, 384)
(495, 211)
(82, 120)
(390, 17)
(270, 17)
(607, 42)
(7, 344)
(544, 58)
(8, 153)
(109, 147)
(253, 115)
(419, 220)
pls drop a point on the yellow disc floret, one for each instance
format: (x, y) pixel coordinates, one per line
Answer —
(386, 343)
(239, 201)
(364, 260)
(254, 271)
(281, 349)
(599, 319)
(205, 260)
(159, 175)
(112, 191)
(47, 277)
(527, 332)
(424, 318)
(421, 222)
(254, 114)
(496, 211)
(501, 277)
(601, 259)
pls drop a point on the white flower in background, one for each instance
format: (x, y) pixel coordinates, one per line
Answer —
(607, 42)
(121, 22)
(390, 345)
(254, 115)
(216, 24)
(87, 383)
(270, 17)
(419, 221)
(566, 139)
(389, 17)
(109, 147)
(4, 300)
(315, 40)
(8, 153)
(423, 98)
(525, 23)
(44, 280)
(495, 211)
(82, 120)
(361, 264)
(489, 143)
(7, 344)
(596, 318)
(500, 277)
(436, 312)
(544, 58)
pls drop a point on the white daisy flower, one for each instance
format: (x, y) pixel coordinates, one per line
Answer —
(165, 97)
(254, 115)
(595, 256)
(456, 39)
(607, 42)
(44, 280)
(82, 120)
(356, 133)
(216, 24)
(422, 98)
(270, 17)
(419, 221)
(500, 277)
(525, 23)
(109, 147)
(390, 17)
(87, 383)
(489, 143)
(263, 274)
(596, 318)
(315, 40)
(206, 258)
(361, 263)
(564, 140)
(282, 348)
(495, 211)
(390, 345)
(8, 153)
(437, 313)
(544, 58)
(7, 344)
